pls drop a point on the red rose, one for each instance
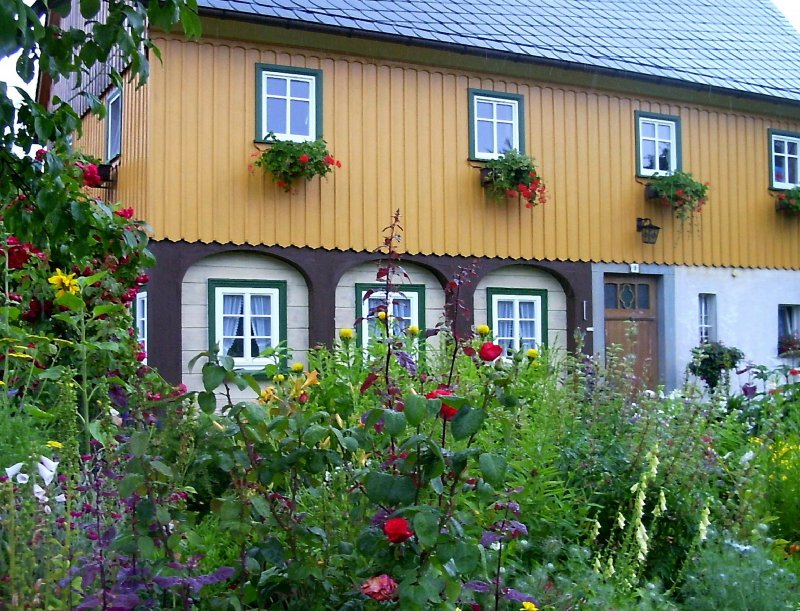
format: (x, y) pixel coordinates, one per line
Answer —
(448, 412)
(303, 158)
(40, 154)
(125, 213)
(489, 351)
(396, 530)
(794, 372)
(380, 588)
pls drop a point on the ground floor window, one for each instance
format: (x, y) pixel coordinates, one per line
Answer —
(246, 317)
(140, 320)
(518, 317)
(707, 307)
(403, 307)
(788, 328)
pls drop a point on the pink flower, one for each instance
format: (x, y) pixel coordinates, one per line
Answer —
(380, 588)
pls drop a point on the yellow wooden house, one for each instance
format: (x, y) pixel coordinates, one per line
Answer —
(415, 98)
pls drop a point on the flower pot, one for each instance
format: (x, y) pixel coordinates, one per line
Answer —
(650, 192)
(781, 205)
(487, 176)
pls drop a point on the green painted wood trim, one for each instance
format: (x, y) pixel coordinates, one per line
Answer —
(493, 292)
(215, 283)
(519, 99)
(318, 93)
(640, 114)
(771, 159)
(497, 63)
(362, 287)
(114, 93)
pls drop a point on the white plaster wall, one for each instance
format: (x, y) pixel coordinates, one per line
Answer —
(526, 277)
(365, 273)
(747, 310)
(238, 266)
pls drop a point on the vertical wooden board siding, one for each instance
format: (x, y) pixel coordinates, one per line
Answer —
(401, 132)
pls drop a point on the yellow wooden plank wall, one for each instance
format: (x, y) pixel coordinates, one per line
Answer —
(401, 131)
(130, 188)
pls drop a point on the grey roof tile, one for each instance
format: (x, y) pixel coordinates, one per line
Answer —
(743, 45)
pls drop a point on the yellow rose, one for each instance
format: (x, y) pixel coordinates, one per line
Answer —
(483, 330)
(533, 353)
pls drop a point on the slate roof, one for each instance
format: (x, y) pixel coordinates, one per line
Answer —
(746, 46)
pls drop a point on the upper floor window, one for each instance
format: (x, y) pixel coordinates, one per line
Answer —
(113, 124)
(658, 142)
(404, 308)
(246, 317)
(785, 158)
(517, 317)
(289, 103)
(496, 124)
(707, 317)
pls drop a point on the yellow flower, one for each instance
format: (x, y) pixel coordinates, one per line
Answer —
(413, 330)
(278, 377)
(528, 606)
(267, 395)
(297, 367)
(63, 283)
(346, 334)
(56, 445)
(311, 379)
(533, 353)
(381, 315)
(483, 330)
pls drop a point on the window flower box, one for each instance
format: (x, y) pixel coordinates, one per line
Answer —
(513, 174)
(289, 162)
(788, 201)
(679, 191)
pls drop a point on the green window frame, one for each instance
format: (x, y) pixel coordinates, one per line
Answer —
(113, 124)
(251, 326)
(784, 159)
(414, 293)
(288, 103)
(653, 131)
(515, 340)
(492, 114)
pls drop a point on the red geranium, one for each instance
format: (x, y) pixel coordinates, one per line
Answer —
(490, 351)
(304, 158)
(126, 213)
(397, 530)
(448, 412)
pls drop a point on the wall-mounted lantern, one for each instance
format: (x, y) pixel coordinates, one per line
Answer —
(648, 230)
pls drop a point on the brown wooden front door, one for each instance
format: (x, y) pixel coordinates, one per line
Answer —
(632, 321)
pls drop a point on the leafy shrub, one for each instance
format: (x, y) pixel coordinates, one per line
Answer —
(712, 359)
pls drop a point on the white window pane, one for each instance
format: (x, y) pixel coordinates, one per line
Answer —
(664, 157)
(232, 347)
(791, 147)
(505, 137)
(261, 344)
(665, 132)
(260, 326)
(527, 309)
(527, 329)
(505, 328)
(505, 112)
(300, 117)
(780, 170)
(484, 110)
(276, 86)
(505, 309)
(485, 137)
(648, 154)
(301, 89)
(506, 344)
(401, 308)
(276, 115)
(647, 130)
(793, 171)
(233, 304)
(260, 305)
(373, 303)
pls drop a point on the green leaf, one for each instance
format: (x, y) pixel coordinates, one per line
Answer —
(467, 422)
(466, 556)
(105, 309)
(394, 422)
(146, 547)
(426, 527)
(138, 443)
(416, 409)
(254, 412)
(96, 433)
(191, 22)
(90, 280)
(493, 468)
(314, 434)
(130, 484)
(70, 301)
(207, 402)
(161, 468)
(259, 503)
(213, 376)
(389, 489)
(90, 8)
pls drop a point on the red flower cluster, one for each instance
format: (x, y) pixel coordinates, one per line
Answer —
(448, 412)
(489, 351)
(380, 588)
(330, 160)
(304, 158)
(126, 213)
(91, 176)
(534, 192)
(19, 254)
(397, 530)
